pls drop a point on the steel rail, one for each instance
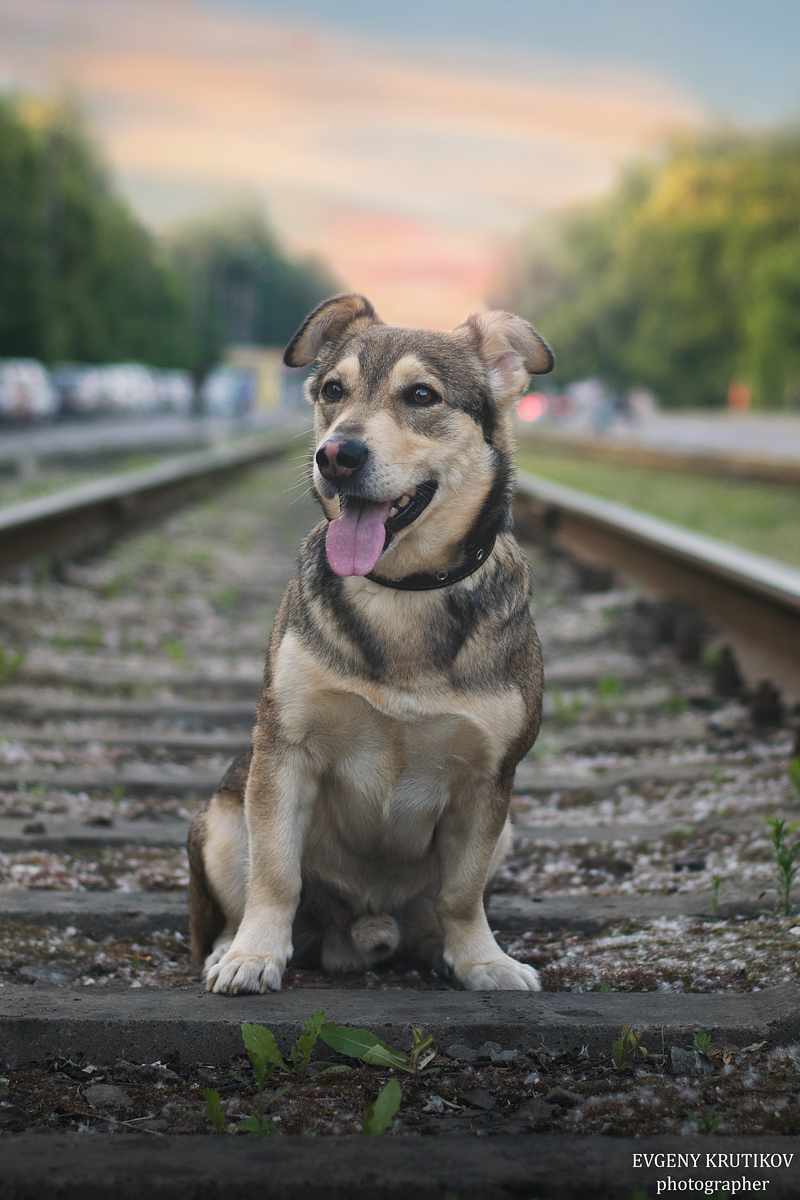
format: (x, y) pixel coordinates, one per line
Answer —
(753, 599)
(85, 517)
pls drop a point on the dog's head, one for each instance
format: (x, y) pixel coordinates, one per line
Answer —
(413, 444)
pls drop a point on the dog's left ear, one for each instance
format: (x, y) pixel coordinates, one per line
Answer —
(511, 349)
(329, 322)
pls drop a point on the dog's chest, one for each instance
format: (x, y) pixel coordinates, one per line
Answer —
(394, 756)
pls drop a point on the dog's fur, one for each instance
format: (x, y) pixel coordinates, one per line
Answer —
(371, 812)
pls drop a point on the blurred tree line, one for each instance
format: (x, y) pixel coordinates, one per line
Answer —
(684, 279)
(81, 279)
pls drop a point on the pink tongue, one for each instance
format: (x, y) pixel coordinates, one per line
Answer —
(355, 541)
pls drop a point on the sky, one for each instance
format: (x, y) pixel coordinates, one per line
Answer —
(405, 145)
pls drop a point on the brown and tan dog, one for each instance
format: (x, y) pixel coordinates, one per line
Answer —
(404, 678)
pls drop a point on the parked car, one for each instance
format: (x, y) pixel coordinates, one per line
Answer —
(26, 391)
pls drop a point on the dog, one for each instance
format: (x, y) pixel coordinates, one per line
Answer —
(403, 682)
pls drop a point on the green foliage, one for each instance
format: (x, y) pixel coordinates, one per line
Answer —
(716, 884)
(628, 1047)
(257, 1123)
(702, 1041)
(609, 690)
(214, 1112)
(785, 864)
(300, 1054)
(708, 1122)
(378, 1116)
(265, 1059)
(11, 663)
(360, 1043)
(81, 279)
(761, 517)
(174, 649)
(241, 287)
(685, 278)
(566, 711)
(794, 772)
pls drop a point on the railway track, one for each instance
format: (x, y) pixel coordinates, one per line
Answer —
(641, 850)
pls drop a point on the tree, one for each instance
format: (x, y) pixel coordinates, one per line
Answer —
(242, 288)
(686, 277)
(80, 277)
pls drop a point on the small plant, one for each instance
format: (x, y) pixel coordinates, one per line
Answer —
(609, 690)
(360, 1043)
(605, 987)
(174, 649)
(710, 657)
(300, 1053)
(10, 663)
(628, 1047)
(708, 1123)
(93, 640)
(225, 598)
(794, 772)
(702, 1041)
(265, 1059)
(214, 1112)
(566, 710)
(716, 885)
(112, 587)
(378, 1116)
(117, 794)
(785, 863)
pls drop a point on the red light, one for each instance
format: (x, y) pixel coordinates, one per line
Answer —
(532, 406)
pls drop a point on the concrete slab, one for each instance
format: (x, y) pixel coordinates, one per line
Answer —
(545, 1166)
(42, 703)
(130, 914)
(142, 1025)
(644, 772)
(195, 743)
(98, 914)
(74, 835)
(136, 781)
(529, 779)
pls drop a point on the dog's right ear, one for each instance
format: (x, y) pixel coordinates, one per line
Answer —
(329, 322)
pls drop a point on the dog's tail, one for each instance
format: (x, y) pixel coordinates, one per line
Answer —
(376, 936)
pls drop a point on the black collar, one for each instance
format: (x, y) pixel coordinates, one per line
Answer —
(427, 581)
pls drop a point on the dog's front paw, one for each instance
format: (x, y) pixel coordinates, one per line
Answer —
(216, 955)
(500, 974)
(248, 973)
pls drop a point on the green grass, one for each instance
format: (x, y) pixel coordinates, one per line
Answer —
(761, 517)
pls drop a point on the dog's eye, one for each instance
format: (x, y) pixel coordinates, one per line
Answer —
(332, 390)
(424, 395)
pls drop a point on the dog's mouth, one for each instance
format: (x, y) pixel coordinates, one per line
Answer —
(365, 528)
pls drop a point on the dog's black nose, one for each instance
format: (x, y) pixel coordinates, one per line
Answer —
(338, 460)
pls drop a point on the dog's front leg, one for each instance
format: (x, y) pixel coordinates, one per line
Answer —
(281, 789)
(466, 837)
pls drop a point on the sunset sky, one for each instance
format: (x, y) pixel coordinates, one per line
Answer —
(404, 147)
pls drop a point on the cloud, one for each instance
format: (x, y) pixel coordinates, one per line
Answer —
(402, 171)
